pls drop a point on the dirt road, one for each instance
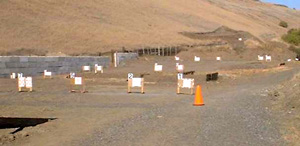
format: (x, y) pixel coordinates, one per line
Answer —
(235, 112)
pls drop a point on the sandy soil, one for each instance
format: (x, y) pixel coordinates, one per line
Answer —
(235, 112)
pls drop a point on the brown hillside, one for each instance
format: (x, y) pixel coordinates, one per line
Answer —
(84, 26)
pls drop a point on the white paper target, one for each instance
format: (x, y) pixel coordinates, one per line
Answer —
(13, 76)
(48, 73)
(197, 59)
(187, 83)
(28, 82)
(260, 58)
(177, 58)
(86, 68)
(72, 75)
(268, 58)
(21, 82)
(20, 75)
(130, 75)
(180, 67)
(136, 82)
(218, 58)
(180, 76)
(158, 68)
(99, 68)
(78, 80)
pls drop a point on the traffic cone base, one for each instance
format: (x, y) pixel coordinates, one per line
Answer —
(198, 104)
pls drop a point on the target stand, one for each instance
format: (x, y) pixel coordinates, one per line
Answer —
(47, 74)
(86, 68)
(135, 82)
(25, 84)
(158, 68)
(77, 82)
(185, 83)
(98, 69)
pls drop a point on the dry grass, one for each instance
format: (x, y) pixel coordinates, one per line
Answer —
(76, 26)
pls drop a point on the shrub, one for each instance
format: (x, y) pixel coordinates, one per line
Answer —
(292, 37)
(283, 24)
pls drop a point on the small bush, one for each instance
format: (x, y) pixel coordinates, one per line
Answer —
(283, 24)
(292, 37)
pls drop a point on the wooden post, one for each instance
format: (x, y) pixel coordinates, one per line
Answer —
(142, 88)
(112, 56)
(129, 86)
(178, 86)
(158, 51)
(143, 51)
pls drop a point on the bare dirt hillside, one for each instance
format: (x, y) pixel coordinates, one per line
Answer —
(77, 26)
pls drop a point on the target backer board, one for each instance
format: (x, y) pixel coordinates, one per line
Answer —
(179, 68)
(135, 82)
(268, 58)
(20, 75)
(260, 58)
(86, 68)
(72, 75)
(77, 82)
(179, 76)
(185, 83)
(197, 59)
(98, 69)
(13, 75)
(47, 74)
(25, 83)
(158, 68)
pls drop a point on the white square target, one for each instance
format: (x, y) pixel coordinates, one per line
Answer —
(78, 80)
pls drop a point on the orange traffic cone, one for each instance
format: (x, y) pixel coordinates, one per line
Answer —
(198, 97)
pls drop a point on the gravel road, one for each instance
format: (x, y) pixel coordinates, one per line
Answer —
(233, 115)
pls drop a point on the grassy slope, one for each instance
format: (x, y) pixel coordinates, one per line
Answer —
(86, 26)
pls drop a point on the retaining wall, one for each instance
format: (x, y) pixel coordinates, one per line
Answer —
(32, 66)
(122, 57)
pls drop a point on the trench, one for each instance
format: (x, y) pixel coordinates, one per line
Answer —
(21, 123)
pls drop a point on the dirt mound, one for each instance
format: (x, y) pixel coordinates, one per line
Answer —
(81, 27)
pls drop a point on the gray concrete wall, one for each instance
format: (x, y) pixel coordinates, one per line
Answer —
(32, 66)
(122, 57)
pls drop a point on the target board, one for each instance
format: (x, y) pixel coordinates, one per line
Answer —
(77, 82)
(47, 74)
(135, 82)
(158, 68)
(185, 83)
(86, 68)
(25, 84)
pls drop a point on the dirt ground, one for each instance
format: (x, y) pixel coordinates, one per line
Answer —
(235, 112)
(285, 103)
